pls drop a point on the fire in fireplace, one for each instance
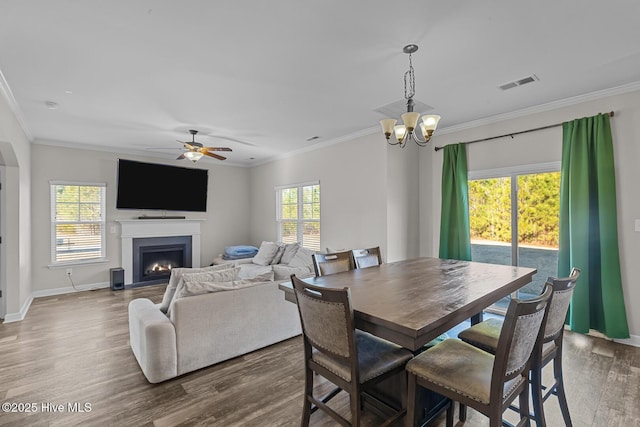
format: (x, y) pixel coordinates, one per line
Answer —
(153, 258)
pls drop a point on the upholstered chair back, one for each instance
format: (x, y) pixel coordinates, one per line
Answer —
(367, 257)
(562, 293)
(327, 318)
(338, 262)
(521, 330)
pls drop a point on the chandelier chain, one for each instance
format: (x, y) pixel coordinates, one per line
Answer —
(411, 79)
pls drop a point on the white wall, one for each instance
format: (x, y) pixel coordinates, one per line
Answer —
(225, 222)
(545, 146)
(403, 198)
(353, 192)
(15, 213)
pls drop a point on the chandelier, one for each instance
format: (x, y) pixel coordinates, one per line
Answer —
(406, 131)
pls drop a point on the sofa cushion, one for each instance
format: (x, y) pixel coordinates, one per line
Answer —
(205, 276)
(193, 288)
(278, 256)
(282, 272)
(176, 273)
(302, 258)
(248, 271)
(266, 253)
(290, 250)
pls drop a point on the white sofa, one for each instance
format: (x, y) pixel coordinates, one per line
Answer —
(283, 259)
(206, 329)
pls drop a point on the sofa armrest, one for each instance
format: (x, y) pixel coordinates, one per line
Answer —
(153, 340)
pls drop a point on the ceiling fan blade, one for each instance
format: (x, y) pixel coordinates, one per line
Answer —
(239, 141)
(217, 149)
(188, 145)
(215, 156)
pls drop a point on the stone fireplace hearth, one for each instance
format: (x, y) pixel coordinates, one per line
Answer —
(178, 230)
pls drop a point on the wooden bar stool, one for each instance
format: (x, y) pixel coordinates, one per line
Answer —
(475, 378)
(336, 262)
(349, 358)
(485, 335)
(367, 257)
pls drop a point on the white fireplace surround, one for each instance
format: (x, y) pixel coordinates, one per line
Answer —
(136, 228)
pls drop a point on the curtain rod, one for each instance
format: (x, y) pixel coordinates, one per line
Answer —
(512, 133)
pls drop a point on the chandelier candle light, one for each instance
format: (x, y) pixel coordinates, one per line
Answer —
(406, 131)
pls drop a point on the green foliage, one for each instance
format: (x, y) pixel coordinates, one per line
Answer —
(538, 209)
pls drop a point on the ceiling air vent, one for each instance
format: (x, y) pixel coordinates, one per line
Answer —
(523, 81)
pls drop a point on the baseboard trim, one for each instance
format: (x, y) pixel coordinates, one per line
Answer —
(69, 290)
(633, 340)
(16, 317)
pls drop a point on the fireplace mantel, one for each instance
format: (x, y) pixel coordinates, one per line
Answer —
(136, 228)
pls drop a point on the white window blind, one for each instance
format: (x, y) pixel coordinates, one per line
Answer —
(298, 215)
(77, 222)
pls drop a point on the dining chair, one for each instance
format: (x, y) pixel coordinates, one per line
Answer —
(485, 335)
(475, 378)
(364, 258)
(350, 359)
(336, 262)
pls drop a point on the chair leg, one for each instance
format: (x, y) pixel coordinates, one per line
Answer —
(463, 412)
(354, 398)
(308, 391)
(536, 395)
(410, 417)
(562, 398)
(450, 410)
(524, 407)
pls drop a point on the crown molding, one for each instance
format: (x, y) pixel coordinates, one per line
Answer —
(618, 90)
(567, 102)
(13, 105)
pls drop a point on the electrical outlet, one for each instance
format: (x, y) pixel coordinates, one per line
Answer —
(69, 272)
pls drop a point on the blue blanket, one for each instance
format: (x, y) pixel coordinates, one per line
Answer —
(243, 251)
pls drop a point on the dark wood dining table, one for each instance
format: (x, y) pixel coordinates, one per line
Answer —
(411, 302)
(414, 301)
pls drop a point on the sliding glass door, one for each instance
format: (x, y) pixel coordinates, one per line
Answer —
(513, 217)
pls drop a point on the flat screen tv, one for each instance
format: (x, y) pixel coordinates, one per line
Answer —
(162, 187)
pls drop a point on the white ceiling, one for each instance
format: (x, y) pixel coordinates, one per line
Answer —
(262, 77)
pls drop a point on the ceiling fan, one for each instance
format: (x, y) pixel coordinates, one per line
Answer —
(196, 150)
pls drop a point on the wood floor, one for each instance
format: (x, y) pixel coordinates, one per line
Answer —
(73, 351)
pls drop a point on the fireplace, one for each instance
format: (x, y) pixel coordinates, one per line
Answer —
(157, 228)
(154, 257)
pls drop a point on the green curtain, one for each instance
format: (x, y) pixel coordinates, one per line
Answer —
(455, 240)
(588, 227)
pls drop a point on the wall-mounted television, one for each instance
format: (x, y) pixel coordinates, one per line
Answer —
(163, 187)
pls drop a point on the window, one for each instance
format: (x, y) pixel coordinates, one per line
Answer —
(298, 215)
(514, 218)
(77, 222)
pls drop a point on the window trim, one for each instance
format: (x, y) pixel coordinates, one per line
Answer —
(103, 224)
(299, 221)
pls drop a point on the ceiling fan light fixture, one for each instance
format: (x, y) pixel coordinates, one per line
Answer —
(195, 150)
(194, 156)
